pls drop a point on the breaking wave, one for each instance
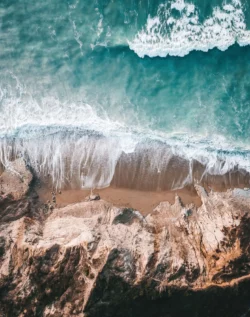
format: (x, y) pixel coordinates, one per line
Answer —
(177, 29)
(79, 158)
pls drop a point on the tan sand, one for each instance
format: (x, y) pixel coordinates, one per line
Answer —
(144, 201)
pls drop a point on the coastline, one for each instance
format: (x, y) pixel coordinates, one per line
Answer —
(80, 158)
(125, 158)
(143, 201)
(95, 258)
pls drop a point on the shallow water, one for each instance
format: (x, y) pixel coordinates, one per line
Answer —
(76, 96)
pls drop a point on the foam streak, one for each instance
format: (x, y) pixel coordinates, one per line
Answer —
(179, 34)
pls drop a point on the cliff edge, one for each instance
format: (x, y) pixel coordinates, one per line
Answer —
(94, 259)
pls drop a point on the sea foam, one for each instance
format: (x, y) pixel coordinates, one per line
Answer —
(178, 34)
(79, 158)
(75, 146)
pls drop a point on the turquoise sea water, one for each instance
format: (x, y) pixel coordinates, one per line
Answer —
(87, 85)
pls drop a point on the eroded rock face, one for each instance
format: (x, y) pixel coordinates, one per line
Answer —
(94, 259)
(15, 179)
(16, 199)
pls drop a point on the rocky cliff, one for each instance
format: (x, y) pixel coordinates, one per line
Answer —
(93, 259)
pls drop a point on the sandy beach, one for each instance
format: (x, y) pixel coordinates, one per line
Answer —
(144, 201)
(143, 198)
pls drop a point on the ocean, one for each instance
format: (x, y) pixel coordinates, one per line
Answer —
(135, 93)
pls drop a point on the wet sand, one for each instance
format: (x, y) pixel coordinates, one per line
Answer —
(144, 190)
(144, 201)
(144, 198)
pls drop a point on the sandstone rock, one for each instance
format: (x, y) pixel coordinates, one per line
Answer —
(16, 199)
(15, 179)
(93, 197)
(93, 259)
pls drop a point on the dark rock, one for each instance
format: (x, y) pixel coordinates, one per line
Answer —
(126, 217)
(2, 246)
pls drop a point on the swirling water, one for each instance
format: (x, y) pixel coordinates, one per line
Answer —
(92, 89)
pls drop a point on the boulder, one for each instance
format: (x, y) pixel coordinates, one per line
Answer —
(93, 197)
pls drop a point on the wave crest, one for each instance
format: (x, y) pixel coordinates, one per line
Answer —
(177, 30)
(77, 158)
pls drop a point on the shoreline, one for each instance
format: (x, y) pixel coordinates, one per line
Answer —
(87, 160)
(143, 201)
(93, 258)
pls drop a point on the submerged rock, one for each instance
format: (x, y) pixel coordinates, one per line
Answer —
(93, 259)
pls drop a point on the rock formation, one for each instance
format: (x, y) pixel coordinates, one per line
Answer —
(93, 259)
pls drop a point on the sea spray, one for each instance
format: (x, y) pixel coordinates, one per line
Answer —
(77, 158)
(177, 30)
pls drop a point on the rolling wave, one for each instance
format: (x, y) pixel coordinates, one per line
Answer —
(177, 30)
(90, 159)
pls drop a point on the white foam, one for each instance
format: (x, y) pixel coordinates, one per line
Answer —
(86, 160)
(166, 34)
(53, 135)
(178, 5)
(57, 139)
(19, 108)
